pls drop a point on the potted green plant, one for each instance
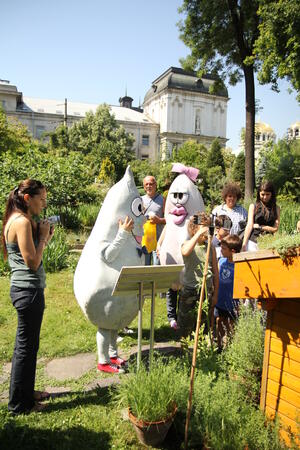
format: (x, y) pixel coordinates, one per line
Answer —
(152, 399)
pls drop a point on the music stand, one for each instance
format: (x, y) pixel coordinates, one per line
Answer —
(146, 280)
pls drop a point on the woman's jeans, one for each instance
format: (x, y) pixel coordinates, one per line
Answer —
(30, 304)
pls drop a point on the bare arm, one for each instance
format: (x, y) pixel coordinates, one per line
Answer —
(157, 220)
(275, 226)
(249, 226)
(215, 272)
(188, 246)
(32, 255)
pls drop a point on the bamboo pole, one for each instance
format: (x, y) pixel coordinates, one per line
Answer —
(189, 406)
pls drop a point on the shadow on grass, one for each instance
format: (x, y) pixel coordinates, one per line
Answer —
(162, 334)
(15, 436)
(98, 396)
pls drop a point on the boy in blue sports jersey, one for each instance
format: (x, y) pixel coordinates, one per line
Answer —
(226, 309)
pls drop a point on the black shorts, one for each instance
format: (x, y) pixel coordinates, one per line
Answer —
(225, 313)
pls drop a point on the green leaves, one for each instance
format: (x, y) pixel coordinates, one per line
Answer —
(278, 44)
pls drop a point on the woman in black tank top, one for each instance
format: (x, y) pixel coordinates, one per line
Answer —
(263, 216)
(24, 242)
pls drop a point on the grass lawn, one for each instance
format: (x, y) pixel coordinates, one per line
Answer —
(78, 420)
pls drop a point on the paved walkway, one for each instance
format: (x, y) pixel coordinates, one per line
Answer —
(72, 368)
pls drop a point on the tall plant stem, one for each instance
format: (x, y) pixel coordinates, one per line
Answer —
(189, 406)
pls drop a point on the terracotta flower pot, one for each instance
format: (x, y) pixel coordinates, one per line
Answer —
(152, 433)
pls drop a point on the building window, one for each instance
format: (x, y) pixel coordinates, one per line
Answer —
(297, 132)
(145, 157)
(3, 103)
(145, 139)
(39, 130)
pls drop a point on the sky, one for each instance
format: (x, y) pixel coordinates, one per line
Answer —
(92, 51)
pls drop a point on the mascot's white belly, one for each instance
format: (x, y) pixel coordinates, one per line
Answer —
(107, 250)
(183, 200)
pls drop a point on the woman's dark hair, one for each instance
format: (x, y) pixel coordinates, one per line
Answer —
(267, 186)
(16, 202)
(233, 189)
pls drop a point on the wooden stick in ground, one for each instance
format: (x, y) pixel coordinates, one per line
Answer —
(189, 406)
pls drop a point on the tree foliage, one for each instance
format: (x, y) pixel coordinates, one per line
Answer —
(238, 170)
(215, 156)
(66, 178)
(107, 171)
(14, 136)
(282, 166)
(97, 136)
(278, 44)
(221, 37)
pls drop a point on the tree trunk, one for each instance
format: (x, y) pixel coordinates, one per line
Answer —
(249, 132)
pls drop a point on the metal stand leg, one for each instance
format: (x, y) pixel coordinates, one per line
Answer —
(140, 325)
(152, 325)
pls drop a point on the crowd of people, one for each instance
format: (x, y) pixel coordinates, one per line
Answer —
(235, 229)
(25, 239)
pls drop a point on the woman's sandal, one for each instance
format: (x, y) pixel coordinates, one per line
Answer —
(38, 407)
(40, 396)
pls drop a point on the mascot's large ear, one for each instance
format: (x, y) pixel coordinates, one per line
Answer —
(130, 179)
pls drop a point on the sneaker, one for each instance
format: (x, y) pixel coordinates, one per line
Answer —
(118, 361)
(173, 324)
(110, 368)
(119, 339)
(127, 330)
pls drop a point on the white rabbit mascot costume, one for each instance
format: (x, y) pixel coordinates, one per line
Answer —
(109, 248)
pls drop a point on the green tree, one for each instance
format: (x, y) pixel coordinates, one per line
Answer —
(215, 156)
(278, 44)
(14, 136)
(59, 139)
(283, 167)
(229, 158)
(214, 183)
(107, 172)
(190, 153)
(221, 36)
(99, 135)
(238, 170)
(65, 177)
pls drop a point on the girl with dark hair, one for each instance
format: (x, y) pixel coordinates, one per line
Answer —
(24, 242)
(263, 216)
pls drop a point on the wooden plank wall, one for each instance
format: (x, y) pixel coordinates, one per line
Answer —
(281, 378)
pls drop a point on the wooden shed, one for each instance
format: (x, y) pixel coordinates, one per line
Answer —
(263, 275)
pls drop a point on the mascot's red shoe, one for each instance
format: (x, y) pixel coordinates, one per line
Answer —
(118, 361)
(110, 368)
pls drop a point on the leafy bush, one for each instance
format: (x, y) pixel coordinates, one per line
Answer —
(55, 256)
(289, 216)
(87, 214)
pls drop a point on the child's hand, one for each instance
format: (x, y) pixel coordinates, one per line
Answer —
(202, 232)
(127, 225)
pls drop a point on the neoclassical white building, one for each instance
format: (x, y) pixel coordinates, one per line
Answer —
(179, 106)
